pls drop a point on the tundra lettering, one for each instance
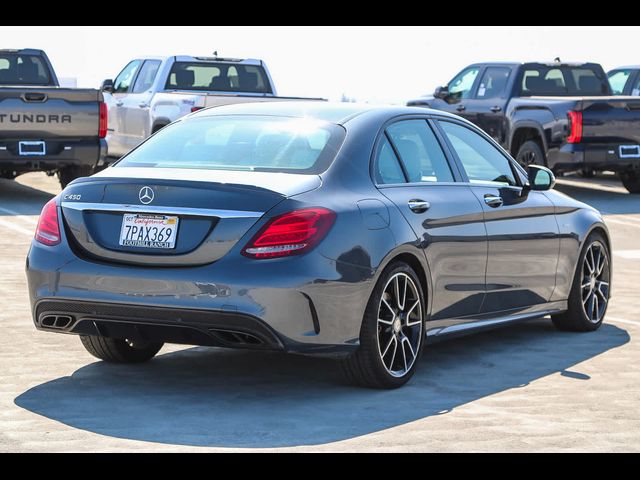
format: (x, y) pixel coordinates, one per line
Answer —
(30, 118)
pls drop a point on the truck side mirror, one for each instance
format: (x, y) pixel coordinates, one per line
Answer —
(107, 86)
(441, 92)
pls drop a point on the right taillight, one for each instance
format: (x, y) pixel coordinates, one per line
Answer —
(291, 233)
(575, 127)
(48, 229)
(104, 114)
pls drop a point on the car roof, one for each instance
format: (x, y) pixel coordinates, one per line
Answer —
(333, 112)
(204, 59)
(626, 67)
(25, 51)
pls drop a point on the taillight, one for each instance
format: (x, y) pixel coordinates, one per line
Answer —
(48, 229)
(102, 129)
(291, 233)
(575, 127)
(195, 109)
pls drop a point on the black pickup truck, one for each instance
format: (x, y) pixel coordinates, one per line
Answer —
(561, 115)
(44, 127)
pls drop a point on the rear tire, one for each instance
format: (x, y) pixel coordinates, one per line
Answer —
(115, 350)
(631, 181)
(392, 332)
(68, 174)
(589, 296)
(530, 153)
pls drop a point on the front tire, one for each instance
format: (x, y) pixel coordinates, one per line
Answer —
(115, 350)
(68, 174)
(631, 181)
(392, 333)
(589, 297)
(530, 153)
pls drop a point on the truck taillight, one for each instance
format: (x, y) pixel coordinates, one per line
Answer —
(48, 229)
(575, 127)
(290, 234)
(195, 109)
(102, 129)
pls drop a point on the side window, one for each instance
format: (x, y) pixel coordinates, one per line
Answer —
(146, 76)
(420, 152)
(126, 76)
(460, 87)
(618, 79)
(494, 82)
(388, 168)
(481, 160)
(636, 88)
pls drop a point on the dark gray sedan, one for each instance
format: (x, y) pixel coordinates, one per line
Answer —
(355, 232)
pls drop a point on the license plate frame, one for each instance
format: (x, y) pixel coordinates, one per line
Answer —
(32, 148)
(149, 231)
(629, 151)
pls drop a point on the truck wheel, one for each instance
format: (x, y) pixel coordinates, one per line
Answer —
(631, 181)
(530, 153)
(8, 175)
(587, 173)
(116, 350)
(68, 174)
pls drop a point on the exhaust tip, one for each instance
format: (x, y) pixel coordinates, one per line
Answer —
(58, 322)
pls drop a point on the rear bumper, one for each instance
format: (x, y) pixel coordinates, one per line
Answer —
(60, 153)
(593, 156)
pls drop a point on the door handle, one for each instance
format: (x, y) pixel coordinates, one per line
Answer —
(496, 109)
(119, 103)
(461, 108)
(418, 206)
(143, 105)
(493, 201)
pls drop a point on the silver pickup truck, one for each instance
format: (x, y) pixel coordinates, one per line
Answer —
(151, 92)
(45, 128)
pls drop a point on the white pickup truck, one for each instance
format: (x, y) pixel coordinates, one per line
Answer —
(151, 92)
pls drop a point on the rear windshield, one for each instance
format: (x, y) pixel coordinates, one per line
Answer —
(221, 77)
(18, 69)
(563, 81)
(251, 143)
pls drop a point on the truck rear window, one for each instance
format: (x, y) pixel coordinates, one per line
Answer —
(218, 76)
(18, 69)
(563, 81)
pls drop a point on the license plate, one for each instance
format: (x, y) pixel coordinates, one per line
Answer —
(629, 151)
(148, 231)
(32, 148)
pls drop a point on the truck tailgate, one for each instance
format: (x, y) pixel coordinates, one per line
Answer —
(611, 120)
(48, 113)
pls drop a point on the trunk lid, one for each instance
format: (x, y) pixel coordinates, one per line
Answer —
(611, 120)
(214, 209)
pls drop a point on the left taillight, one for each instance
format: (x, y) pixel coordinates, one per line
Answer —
(48, 229)
(104, 115)
(292, 233)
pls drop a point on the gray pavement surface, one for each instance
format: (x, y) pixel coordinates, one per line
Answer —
(522, 388)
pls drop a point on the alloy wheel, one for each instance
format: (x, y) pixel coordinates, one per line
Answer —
(400, 325)
(595, 282)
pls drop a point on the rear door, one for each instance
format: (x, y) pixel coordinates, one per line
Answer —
(135, 104)
(522, 231)
(486, 108)
(117, 130)
(411, 169)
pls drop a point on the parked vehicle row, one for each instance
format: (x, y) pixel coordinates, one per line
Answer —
(560, 115)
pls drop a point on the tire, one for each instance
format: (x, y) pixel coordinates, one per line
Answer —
(584, 314)
(68, 174)
(374, 364)
(115, 350)
(587, 173)
(631, 181)
(530, 153)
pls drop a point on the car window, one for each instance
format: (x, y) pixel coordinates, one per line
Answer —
(618, 79)
(460, 87)
(388, 168)
(561, 81)
(19, 69)
(125, 78)
(481, 160)
(420, 151)
(493, 83)
(146, 76)
(635, 91)
(218, 76)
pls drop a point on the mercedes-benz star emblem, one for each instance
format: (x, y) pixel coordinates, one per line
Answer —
(146, 195)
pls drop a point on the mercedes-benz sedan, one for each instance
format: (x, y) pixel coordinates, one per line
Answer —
(356, 232)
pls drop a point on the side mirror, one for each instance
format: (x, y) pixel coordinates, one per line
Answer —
(107, 86)
(540, 178)
(441, 92)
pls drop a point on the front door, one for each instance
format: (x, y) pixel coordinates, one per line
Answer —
(117, 134)
(137, 103)
(413, 172)
(523, 234)
(460, 92)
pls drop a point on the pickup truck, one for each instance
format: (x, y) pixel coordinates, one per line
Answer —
(561, 115)
(45, 128)
(151, 92)
(625, 80)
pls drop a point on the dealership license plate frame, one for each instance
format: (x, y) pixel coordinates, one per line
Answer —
(32, 148)
(147, 238)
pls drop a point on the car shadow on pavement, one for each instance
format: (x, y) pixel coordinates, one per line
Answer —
(22, 199)
(607, 201)
(225, 398)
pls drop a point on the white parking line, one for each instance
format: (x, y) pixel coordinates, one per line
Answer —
(622, 320)
(621, 222)
(16, 228)
(628, 254)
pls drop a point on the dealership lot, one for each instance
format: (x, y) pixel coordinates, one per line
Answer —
(523, 388)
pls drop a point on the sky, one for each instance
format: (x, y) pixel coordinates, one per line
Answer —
(372, 64)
